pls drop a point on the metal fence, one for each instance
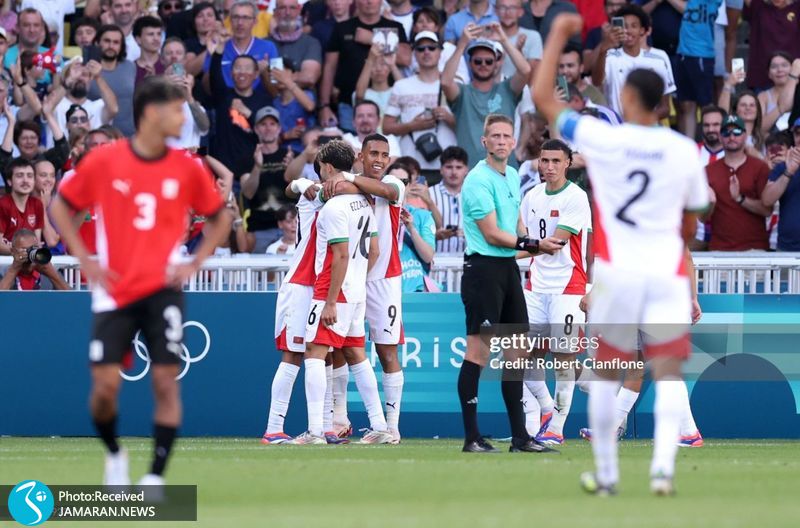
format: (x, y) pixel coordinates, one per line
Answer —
(747, 272)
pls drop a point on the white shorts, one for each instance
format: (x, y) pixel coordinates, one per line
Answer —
(291, 313)
(348, 331)
(623, 302)
(556, 315)
(385, 311)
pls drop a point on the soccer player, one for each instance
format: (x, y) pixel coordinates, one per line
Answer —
(559, 209)
(142, 192)
(648, 183)
(384, 310)
(345, 250)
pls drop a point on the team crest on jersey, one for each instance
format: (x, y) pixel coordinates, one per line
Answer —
(32, 220)
(169, 189)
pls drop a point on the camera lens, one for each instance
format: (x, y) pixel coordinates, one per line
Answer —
(39, 255)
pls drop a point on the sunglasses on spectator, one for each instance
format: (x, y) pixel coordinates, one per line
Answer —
(175, 6)
(78, 119)
(728, 132)
(426, 48)
(481, 62)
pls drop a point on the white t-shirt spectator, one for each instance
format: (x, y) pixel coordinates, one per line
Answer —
(273, 248)
(531, 50)
(53, 12)
(448, 48)
(132, 49)
(93, 108)
(394, 145)
(410, 97)
(619, 64)
(190, 134)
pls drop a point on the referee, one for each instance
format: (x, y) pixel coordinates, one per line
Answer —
(491, 289)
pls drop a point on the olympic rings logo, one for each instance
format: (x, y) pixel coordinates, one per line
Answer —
(141, 350)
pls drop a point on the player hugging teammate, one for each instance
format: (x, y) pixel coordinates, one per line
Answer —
(345, 270)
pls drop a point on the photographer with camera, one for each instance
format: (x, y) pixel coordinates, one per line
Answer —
(30, 268)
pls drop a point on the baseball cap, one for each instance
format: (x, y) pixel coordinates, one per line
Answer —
(482, 43)
(733, 121)
(430, 35)
(267, 111)
(796, 124)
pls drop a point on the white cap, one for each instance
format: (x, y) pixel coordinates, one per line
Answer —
(430, 35)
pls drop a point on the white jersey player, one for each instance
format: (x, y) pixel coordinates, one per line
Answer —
(557, 282)
(647, 184)
(384, 310)
(345, 231)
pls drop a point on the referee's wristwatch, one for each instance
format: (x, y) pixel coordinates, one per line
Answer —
(531, 245)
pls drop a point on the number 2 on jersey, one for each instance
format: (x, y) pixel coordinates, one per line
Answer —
(146, 219)
(622, 213)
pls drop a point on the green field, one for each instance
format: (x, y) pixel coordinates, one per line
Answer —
(431, 483)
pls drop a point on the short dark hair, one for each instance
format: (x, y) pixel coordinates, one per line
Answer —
(373, 137)
(649, 87)
(428, 12)
(783, 137)
(106, 28)
(202, 6)
(246, 57)
(454, 153)
(338, 153)
(110, 131)
(84, 21)
(412, 164)
(171, 40)
(284, 212)
(572, 48)
(634, 10)
(153, 90)
(146, 22)
(781, 54)
(399, 165)
(368, 102)
(557, 144)
(14, 164)
(712, 109)
(22, 126)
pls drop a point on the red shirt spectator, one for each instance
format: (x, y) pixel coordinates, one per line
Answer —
(19, 210)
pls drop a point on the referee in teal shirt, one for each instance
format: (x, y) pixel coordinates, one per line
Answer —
(491, 289)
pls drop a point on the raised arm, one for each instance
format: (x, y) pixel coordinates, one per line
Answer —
(110, 107)
(450, 87)
(523, 68)
(564, 26)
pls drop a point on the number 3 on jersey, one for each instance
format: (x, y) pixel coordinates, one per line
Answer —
(146, 218)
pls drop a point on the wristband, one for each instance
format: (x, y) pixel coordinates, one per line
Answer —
(527, 244)
(787, 174)
(349, 176)
(237, 223)
(740, 201)
(793, 77)
(301, 185)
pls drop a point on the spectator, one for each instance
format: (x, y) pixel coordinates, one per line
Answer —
(614, 63)
(295, 105)
(119, 74)
(167, 8)
(418, 237)
(302, 165)
(477, 12)
(773, 26)
(18, 209)
(416, 106)
(233, 140)
(77, 80)
(352, 40)
(738, 180)
(571, 66)
(54, 11)
(196, 123)
(302, 50)
(579, 103)
(24, 275)
(44, 188)
(204, 21)
(402, 11)
(694, 63)
(26, 136)
(263, 187)
(539, 15)
(711, 149)
(373, 82)
(776, 103)
(418, 193)
(148, 32)
(778, 145)
(366, 120)
(84, 32)
(243, 19)
(428, 19)
(3, 45)
(77, 146)
(472, 102)
(595, 35)
(446, 195)
(338, 11)
(784, 186)
(527, 41)
(173, 52)
(261, 25)
(666, 17)
(30, 35)
(287, 223)
(8, 20)
(533, 132)
(123, 15)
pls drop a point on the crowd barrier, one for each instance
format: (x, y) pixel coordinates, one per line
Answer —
(743, 374)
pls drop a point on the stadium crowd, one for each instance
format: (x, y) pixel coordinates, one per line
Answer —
(269, 81)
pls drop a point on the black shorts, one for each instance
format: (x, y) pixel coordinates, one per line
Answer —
(159, 317)
(694, 78)
(491, 290)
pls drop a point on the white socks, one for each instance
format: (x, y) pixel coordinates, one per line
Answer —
(565, 386)
(542, 394)
(315, 394)
(393, 393)
(670, 406)
(341, 376)
(282, 384)
(688, 427)
(604, 431)
(367, 385)
(327, 410)
(625, 401)
(533, 413)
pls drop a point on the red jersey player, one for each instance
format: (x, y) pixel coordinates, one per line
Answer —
(142, 192)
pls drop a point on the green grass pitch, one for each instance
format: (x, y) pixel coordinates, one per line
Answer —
(431, 483)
